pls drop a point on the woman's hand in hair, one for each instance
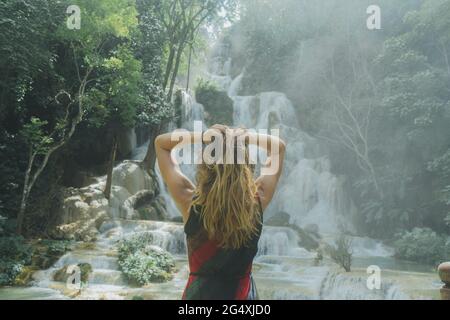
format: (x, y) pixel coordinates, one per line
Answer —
(225, 130)
(221, 127)
(215, 130)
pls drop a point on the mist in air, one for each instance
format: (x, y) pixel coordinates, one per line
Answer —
(360, 92)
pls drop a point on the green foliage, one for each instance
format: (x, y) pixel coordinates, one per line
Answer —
(117, 54)
(33, 133)
(15, 248)
(101, 21)
(14, 255)
(422, 245)
(46, 252)
(143, 263)
(115, 97)
(154, 108)
(19, 259)
(112, 68)
(56, 247)
(441, 168)
(217, 104)
(9, 270)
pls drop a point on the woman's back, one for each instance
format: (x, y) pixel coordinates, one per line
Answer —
(223, 211)
(218, 273)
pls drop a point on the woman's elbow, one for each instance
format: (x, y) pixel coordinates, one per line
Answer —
(157, 141)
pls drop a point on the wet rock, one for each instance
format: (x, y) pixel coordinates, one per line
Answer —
(178, 219)
(25, 276)
(144, 206)
(81, 230)
(309, 236)
(134, 195)
(281, 219)
(131, 176)
(61, 275)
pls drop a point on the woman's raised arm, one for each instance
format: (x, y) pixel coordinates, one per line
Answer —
(179, 186)
(272, 169)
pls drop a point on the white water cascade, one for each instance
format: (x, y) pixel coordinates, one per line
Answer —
(309, 193)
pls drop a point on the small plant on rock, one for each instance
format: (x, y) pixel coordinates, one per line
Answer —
(142, 263)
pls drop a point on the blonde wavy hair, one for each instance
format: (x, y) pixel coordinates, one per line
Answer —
(226, 194)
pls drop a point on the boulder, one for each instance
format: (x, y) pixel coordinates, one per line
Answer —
(134, 195)
(131, 176)
(61, 275)
(281, 219)
(25, 276)
(81, 230)
(309, 237)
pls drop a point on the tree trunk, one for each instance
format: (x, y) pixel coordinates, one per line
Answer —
(189, 69)
(108, 186)
(169, 66)
(150, 158)
(21, 214)
(25, 194)
(175, 70)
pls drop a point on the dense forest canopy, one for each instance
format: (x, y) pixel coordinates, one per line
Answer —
(64, 87)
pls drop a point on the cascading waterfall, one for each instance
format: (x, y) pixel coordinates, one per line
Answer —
(309, 193)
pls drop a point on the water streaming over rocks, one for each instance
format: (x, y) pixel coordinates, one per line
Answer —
(310, 195)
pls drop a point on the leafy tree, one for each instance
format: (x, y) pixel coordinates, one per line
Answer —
(180, 22)
(104, 24)
(120, 83)
(422, 245)
(153, 109)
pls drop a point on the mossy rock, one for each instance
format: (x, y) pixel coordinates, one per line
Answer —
(47, 252)
(86, 246)
(149, 213)
(25, 276)
(178, 219)
(43, 261)
(61, 275)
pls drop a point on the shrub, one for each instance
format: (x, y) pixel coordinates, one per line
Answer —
(14, 254)
(217, 104)
(422, 245)
(341, 252)
(143, 263)
(56, 247)
(9, 270)
(15, 248)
